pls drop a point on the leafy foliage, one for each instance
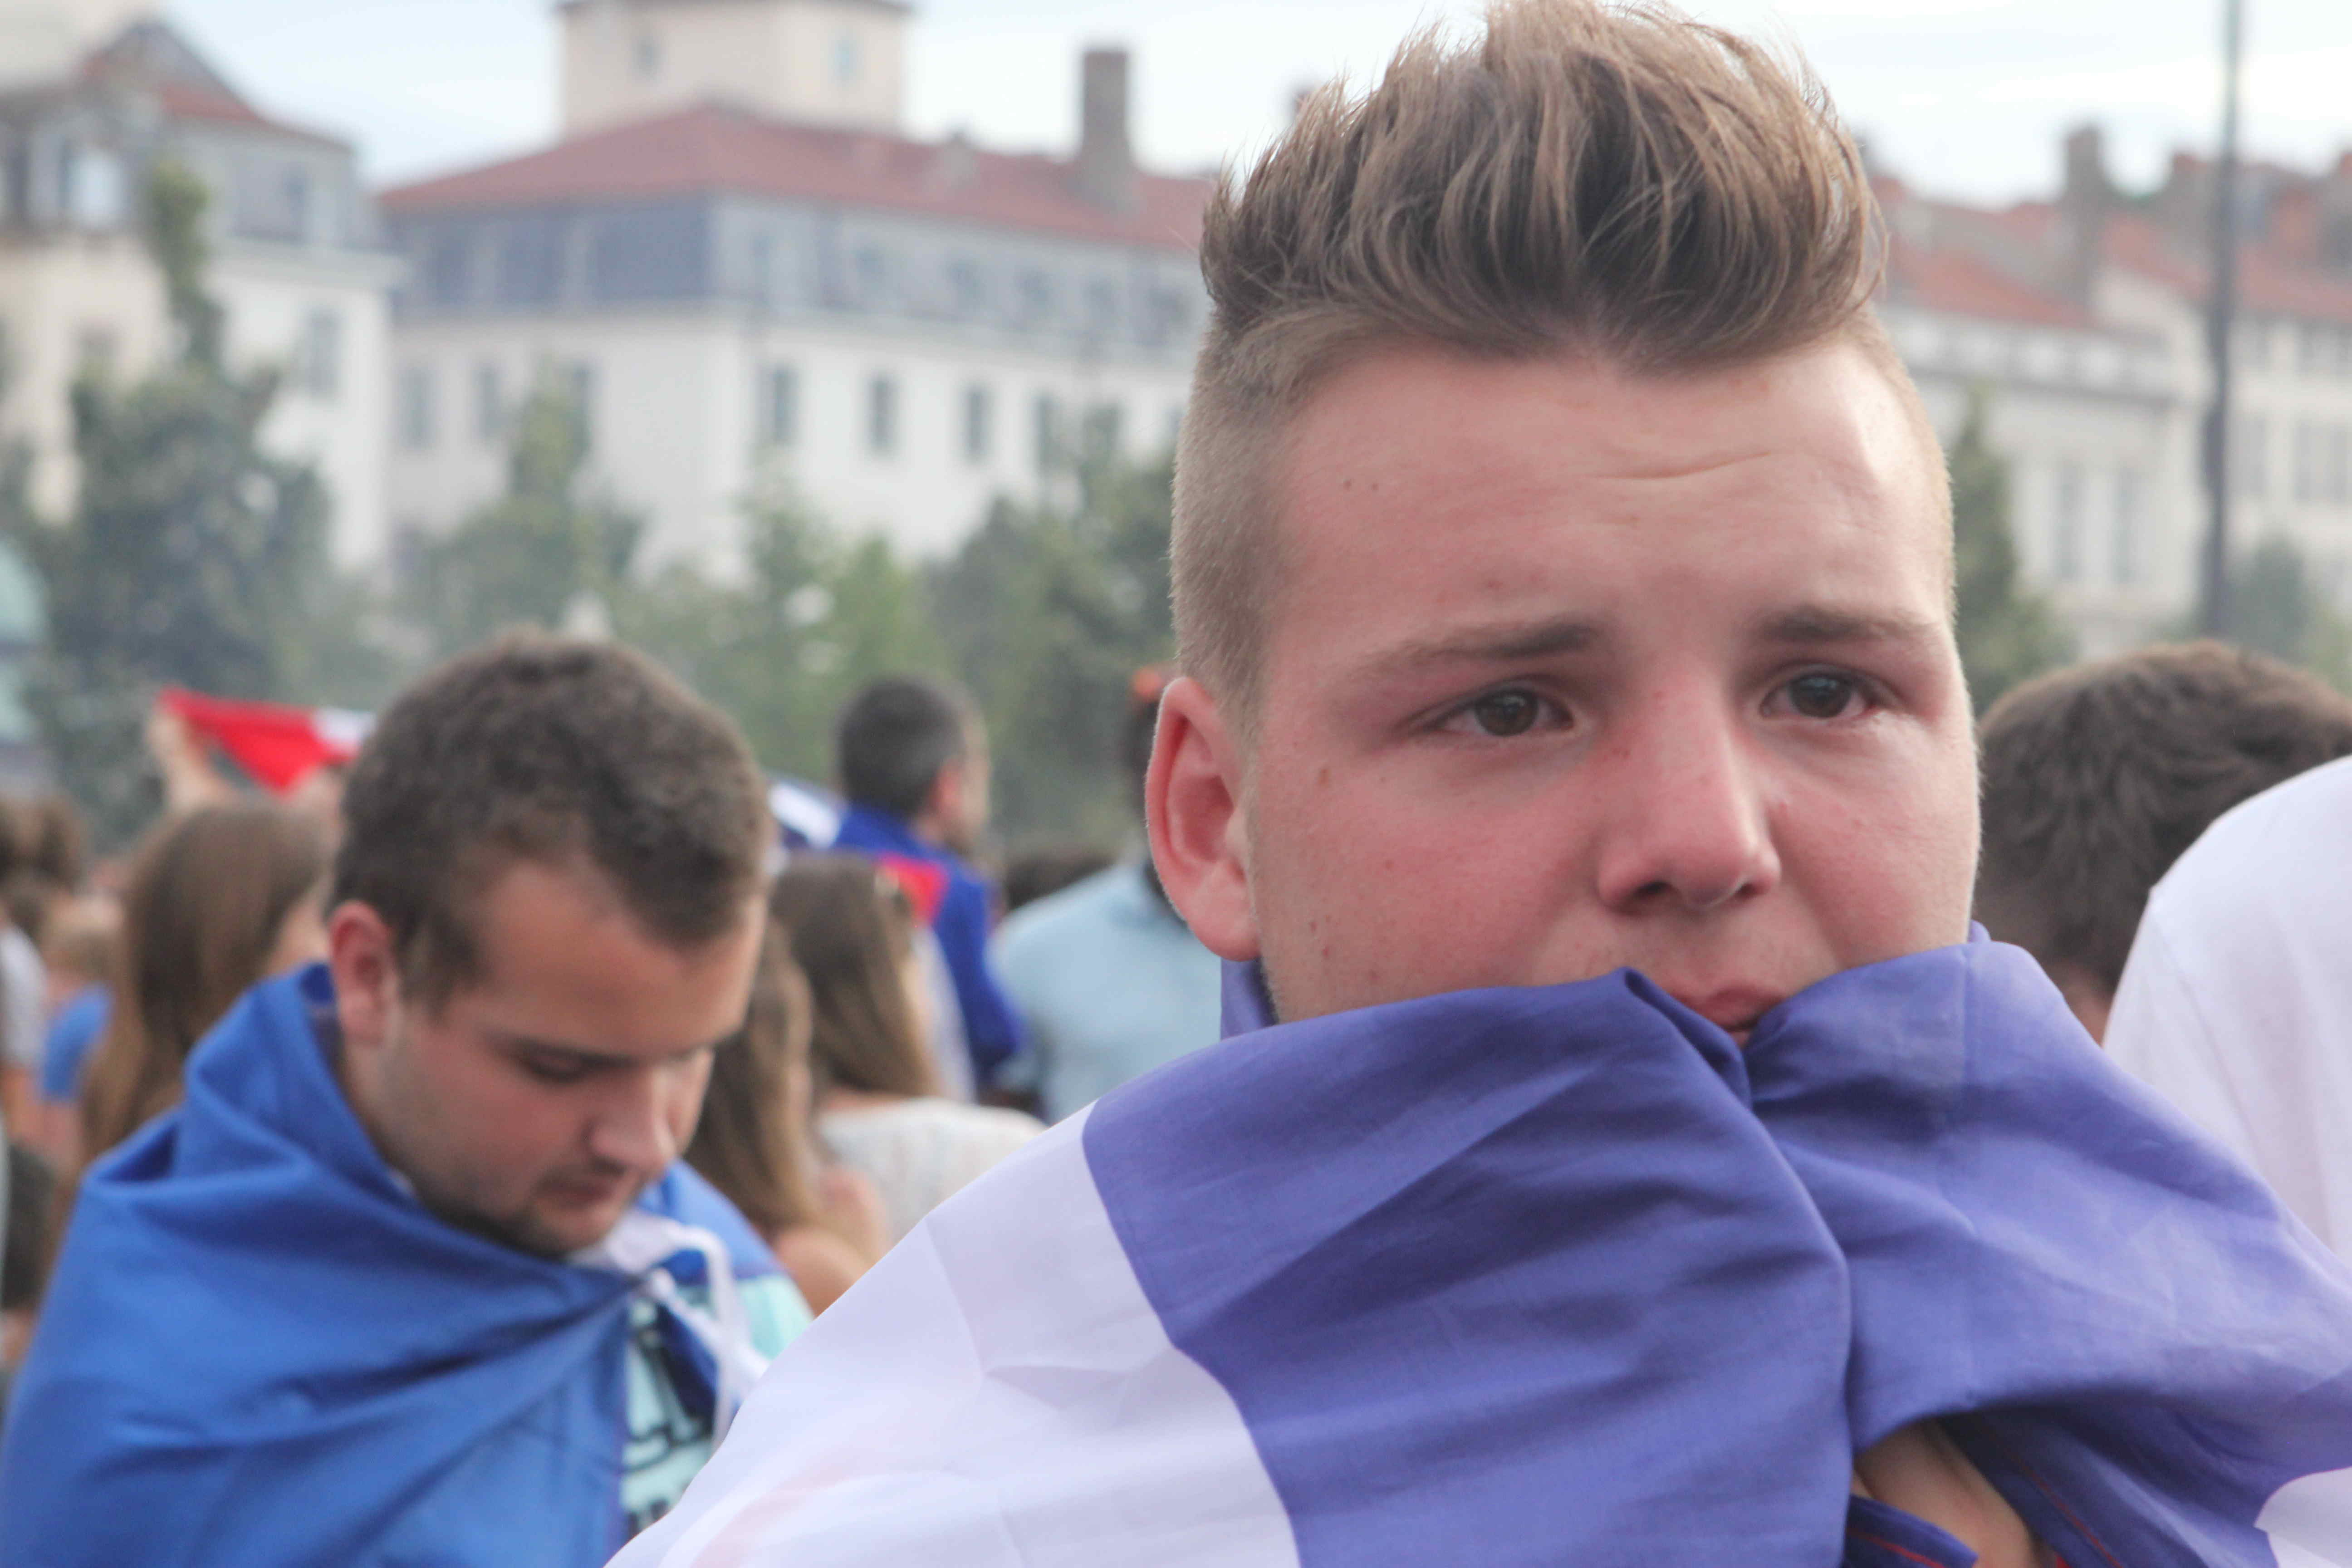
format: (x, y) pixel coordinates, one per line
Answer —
(545, 554)
(191, 556)
(1048, 614)
(2007, 633)
(2277, 608)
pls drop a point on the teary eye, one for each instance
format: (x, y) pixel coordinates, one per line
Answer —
(1823, 695)
(1506, 713)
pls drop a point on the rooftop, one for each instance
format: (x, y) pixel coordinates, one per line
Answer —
(715, 147)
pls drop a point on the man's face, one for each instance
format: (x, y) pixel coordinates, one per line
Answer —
(536, 1102)
(1572, 669)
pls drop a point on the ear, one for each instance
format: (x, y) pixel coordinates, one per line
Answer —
(360, 956)
(1193, 804)
(946, 797)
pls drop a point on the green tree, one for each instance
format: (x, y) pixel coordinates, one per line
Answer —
(812, 618)
(190, 555)
(1047, 614)
(2007, 632)
(2277, 608)
(546, 553)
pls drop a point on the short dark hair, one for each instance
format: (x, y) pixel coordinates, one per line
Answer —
(556, 751)
(893, 738)
(2098, 777)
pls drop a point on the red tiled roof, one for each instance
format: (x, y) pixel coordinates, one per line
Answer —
(1956, 280)
(2267, 283)
(716, 148)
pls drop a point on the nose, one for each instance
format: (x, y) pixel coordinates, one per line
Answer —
(635, 1128)
(1687, 824)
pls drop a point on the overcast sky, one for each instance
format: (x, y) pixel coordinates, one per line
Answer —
(1965, 97)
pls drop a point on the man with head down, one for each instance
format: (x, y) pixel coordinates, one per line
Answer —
(1624, 1155)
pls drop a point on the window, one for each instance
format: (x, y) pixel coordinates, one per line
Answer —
(649, 57)
(1102, 307)
(2126, 555)
(94, 351)
(873, 275)
(489, 403)
(2066, 523)
(1037, 298)
(2335, 465)
(2250, 459)
(846, 60)
(882, 416)
(298, 203)
(976, 421)
(2308, 461)
(92, 185)
(1101, 435)
(578, 384)
(416, 407)
(967, 285)
(1048, 421)
(764, 270)
(318, 360)
(779, 418)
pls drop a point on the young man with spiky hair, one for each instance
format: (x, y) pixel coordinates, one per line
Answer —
(1621, 1154)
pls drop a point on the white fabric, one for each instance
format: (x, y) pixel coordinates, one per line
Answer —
(639, 1246)
(920, 1153)
(23, 1000)
(2237, 1001)
(2309, 1522)
(948, 1414)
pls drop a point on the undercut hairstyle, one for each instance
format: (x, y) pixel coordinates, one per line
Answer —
(1619, 183)
(2098, 777)
(561, 754)
(893, 738)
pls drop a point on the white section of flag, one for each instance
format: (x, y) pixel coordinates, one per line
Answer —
(2309, 1522)
(997, 1393)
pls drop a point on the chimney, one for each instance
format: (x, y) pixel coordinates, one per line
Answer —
(1105, 167)
(2082, 204)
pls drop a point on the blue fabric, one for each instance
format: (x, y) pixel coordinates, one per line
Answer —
(990, 1029)
(259, 1349)
(1560, 1275)
(76, 1028)
(1110, 985)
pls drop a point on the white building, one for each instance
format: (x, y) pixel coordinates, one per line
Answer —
(765, 279)
(2083, 318)
(303, 286)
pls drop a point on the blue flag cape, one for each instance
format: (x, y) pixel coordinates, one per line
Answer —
(1562, 1276)
(259, 1349)
(1919, 1192)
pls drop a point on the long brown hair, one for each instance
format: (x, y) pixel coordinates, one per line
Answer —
(853, 935)
(752, 1142)
(208, 895)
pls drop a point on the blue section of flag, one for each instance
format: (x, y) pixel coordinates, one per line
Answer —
(259, 1349)
(1559, 1275)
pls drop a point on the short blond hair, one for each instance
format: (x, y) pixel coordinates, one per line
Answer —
(1621, 182)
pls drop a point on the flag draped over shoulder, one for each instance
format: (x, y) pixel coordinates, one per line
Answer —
(1561, 1275)
(259, 1349)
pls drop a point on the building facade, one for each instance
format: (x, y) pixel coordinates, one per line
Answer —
(304, 287)
(897, 332)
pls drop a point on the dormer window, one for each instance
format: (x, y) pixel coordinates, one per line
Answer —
(846, 60)
(649, 57)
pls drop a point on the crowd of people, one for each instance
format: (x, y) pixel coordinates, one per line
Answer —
(1690, 1092)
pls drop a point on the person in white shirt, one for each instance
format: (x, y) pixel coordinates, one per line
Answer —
(2236, 1004)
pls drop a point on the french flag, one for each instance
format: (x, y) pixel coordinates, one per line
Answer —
(1562, 1276)
(277, 745)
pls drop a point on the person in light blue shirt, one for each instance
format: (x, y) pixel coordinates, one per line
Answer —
(1108, 980)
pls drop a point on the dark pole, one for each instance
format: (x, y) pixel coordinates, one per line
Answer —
(2221, 316)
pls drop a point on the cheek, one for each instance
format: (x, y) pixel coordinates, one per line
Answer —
(1892, 872)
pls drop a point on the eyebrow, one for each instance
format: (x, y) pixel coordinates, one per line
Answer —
(596, 1061)
(1815, 625)
(1499, 644)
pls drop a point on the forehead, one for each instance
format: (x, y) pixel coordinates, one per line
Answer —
(564, 962)
(1419, 484)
